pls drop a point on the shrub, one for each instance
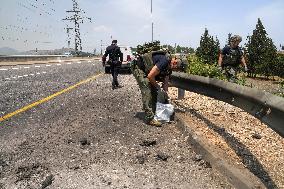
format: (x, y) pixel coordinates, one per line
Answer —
(198, 67)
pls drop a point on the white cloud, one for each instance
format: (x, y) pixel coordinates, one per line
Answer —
(102, 28)
(272, 18)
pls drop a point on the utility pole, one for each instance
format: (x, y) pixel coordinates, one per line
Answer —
(152, 20)
(77, 18)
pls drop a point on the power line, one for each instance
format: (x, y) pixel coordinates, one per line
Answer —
(77, 18)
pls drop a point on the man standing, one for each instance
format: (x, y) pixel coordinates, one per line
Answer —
(231, 57)
(115, 60)
(149, 69)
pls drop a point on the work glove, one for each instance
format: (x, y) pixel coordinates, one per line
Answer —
(163, 96)
(220, 68)
(246, 69)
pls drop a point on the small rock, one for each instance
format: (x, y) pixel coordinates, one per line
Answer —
(216, 113)
(205, 164)
(148, 143)
(198, 157)
(256, 136)
(141, 159)
(47, 181)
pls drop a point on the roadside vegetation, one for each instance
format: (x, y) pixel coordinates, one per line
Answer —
(263, 60)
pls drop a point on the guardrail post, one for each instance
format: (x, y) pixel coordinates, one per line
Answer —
(181, 93)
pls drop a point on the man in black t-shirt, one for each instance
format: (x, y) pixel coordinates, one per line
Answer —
(115, 60)
(149, 69)
(231, 57)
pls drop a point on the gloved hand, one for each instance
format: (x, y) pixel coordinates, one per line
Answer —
(246, 69)
(219, 68)
(163, 96)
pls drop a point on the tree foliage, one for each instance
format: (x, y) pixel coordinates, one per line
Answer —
(262, 53)
(209, 48)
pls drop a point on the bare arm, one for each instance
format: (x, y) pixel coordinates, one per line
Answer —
(243, 62)
(220, 60)
(151, 76)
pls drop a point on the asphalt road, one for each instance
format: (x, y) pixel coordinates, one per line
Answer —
(89, 136)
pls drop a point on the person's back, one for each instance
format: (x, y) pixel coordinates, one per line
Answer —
(115, 59)
(114, 53)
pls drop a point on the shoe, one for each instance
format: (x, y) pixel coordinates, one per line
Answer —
(113, 87)
(119, 86)
(155, 123)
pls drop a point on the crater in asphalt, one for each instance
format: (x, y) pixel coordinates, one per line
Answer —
(162, 156)
(148, 143)
(84, 141)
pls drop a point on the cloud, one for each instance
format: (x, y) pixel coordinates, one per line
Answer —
(102, 28)
(271, 16)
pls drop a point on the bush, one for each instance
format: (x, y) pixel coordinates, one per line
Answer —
(197, 67)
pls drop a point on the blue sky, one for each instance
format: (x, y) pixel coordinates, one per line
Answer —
(24, 27)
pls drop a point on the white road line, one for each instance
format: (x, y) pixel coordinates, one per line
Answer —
(26, 67)
(25, 75)
(79, 62)
(3, 69)
(32, 74)
(15, 68)
(37, 66)
(69, 63)
(38, 73)
(14, 77)
(47, 65)
(44, 72)
(58, 64)
(20, 76)
(7, 78)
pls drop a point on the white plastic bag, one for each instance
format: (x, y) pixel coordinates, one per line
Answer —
(164, 112)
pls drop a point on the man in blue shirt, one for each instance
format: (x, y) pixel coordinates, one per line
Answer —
(231, 57)
(149, 69)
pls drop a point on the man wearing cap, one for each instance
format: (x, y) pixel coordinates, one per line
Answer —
(151, 68)
(115, 60)
(231, 57)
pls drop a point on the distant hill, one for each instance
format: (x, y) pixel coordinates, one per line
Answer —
(11, 51)
(8, 51)
(47, 52)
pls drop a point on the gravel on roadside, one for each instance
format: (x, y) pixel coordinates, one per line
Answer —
(242, 137)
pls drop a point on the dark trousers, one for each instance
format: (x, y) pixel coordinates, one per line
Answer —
(114, 72)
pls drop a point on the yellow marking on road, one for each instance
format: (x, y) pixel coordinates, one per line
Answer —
(5, 117)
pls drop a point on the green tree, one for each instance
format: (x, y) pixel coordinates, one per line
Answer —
(209, 48)
(229, 38)
(262, 53)
(178, 49)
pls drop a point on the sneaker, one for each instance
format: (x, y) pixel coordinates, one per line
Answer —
(119, 86)
(155, 123)
(113, 87)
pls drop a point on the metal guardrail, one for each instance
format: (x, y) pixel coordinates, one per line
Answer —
(265, 106)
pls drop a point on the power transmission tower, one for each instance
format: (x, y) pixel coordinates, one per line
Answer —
(77, 18)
